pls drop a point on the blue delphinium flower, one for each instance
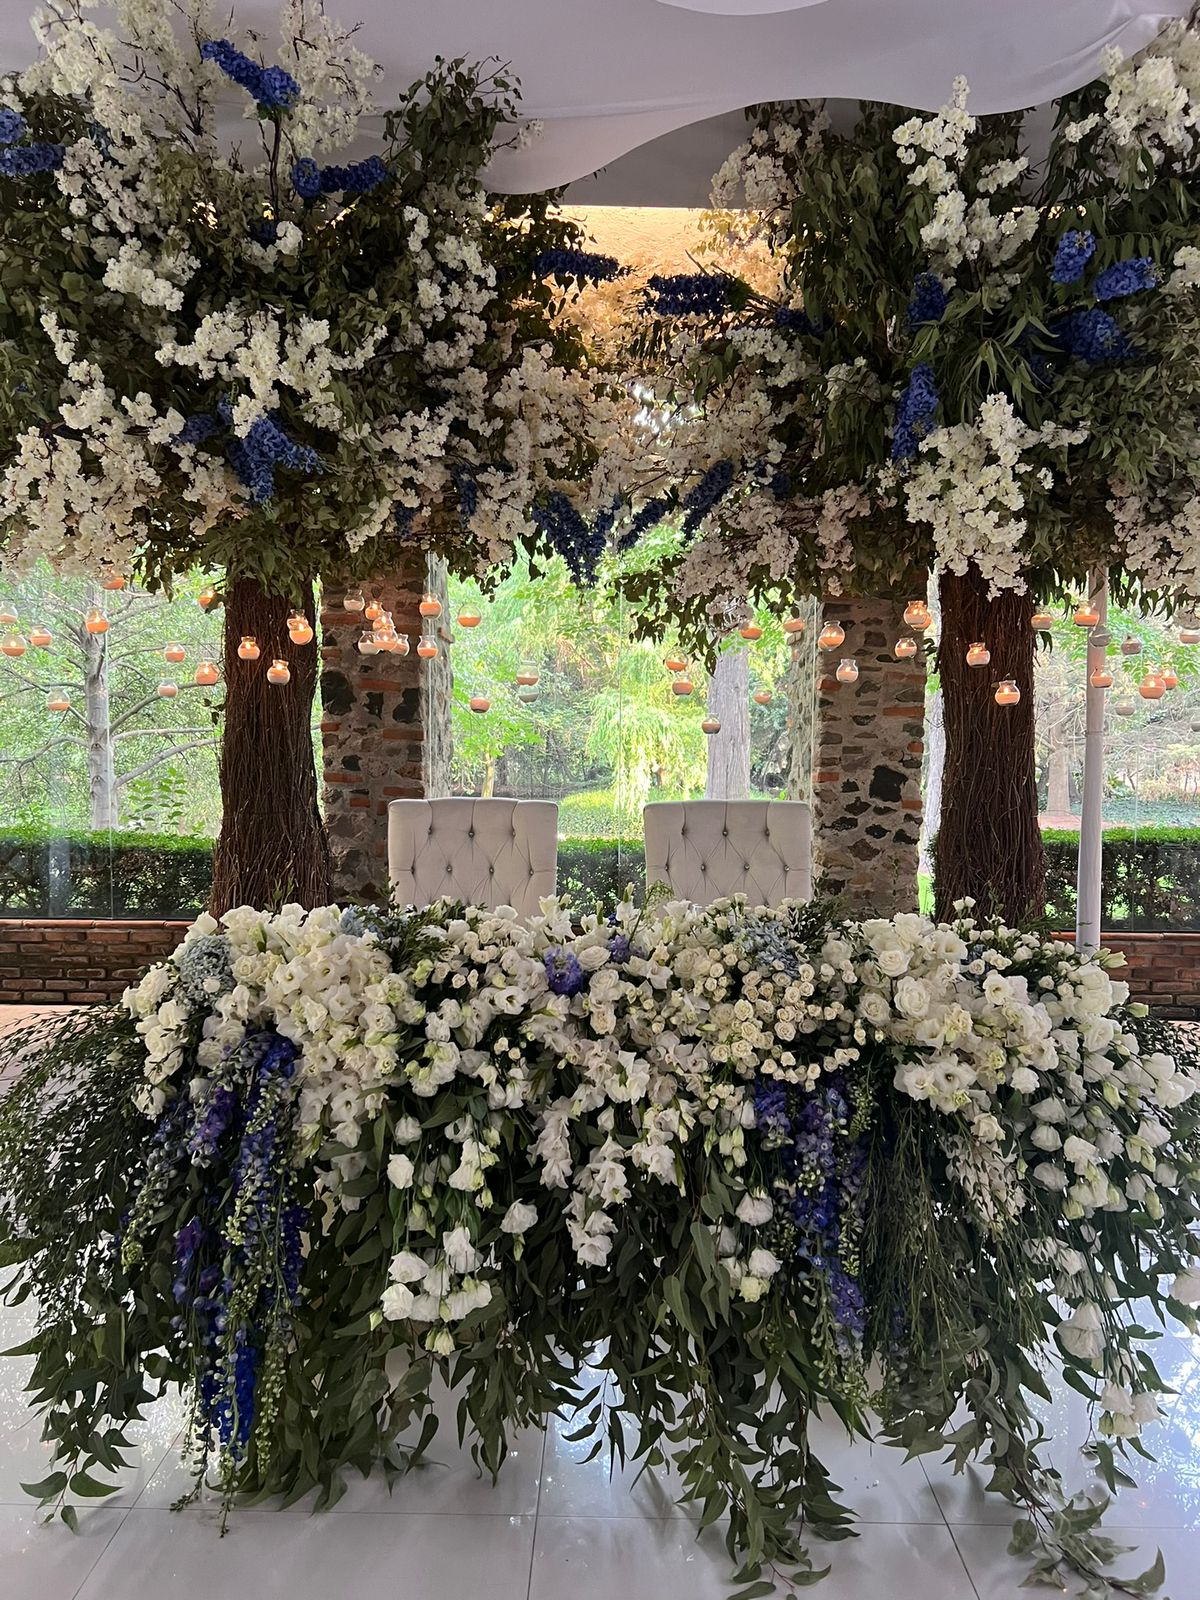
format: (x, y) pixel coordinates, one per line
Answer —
(564, 975)
(272, 87)
(619, 948)
(793, 319)
(265, 447)
(360, 177)
(928, 303)
(402, 522)
(586, 264)
(1075, 250)
(1092, 336)
(12, 125)
(915, 412)
(466, 489)
(1125, 277)
(265, 231)
(566, 531)
(712, 488)
(306, 178)
(24, 160)
(201, 425)
(650, 515)
(688, 294)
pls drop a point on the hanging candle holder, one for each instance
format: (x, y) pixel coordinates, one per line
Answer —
(401, 644)
(479, 703)
(368, 645)
(918, 615)
(675, 662)
(354, 601)
(173, 654)
(847, 670)
(207, 597)
(300, 629)
(1041, 620)
(1131, 646)
(1086, 614)
(750, 631)
(1189, 635)
(1152, 686)
(96, 622)
(1170, 678)
(248, 649)
(279, 672)
(206, 674)
(762, 697)
(167, 689)
(1101, 678)
(905, 647)
(528, 675)
(58, 700)
(430, 606)
(1007, 692)
(682, 686)
(8, 617)
(40, 636)
(427, 648)
(113, 585)
(527, 696)
(710, 725)
(373, 610)
(978, 654)
(1124, 706)
(13, 646)
(794, 625)
(468, 617)
(831, 636)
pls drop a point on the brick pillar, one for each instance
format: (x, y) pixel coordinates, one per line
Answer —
(867, 782)
(371, 731)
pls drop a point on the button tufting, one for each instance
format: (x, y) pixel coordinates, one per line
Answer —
(449, 868)
(725, 833)
(470, 833)
(491, 872)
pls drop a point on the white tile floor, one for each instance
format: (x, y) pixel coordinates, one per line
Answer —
(556, 1527)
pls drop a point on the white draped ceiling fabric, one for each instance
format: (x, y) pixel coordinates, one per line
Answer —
(609, 77)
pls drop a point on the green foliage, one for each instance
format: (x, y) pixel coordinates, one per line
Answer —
(1150, 878)
(51, 874)
(595, 873)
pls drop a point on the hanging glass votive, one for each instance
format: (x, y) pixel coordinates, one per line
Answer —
(167, 690)
(206, 674)
(113, 585)
(207, 597)
(248, 649)
(682, 686)
(1152, 686)
(1101, 678)
(675, 663)
(1124, 706)
(40, 636)
(1086, 615)
(479, 703)
(96, 622)
(13, 646)
(847, 670)
(978, 654)
(279, 672)
(174, 654)
(1041, 620)
(1007, 693)
(918, 615)
(430, 606)
(710, 725)
(8, 617)
(905, 647)
(373, 610)
(750, 631)
(368, 645)
(354, 602)
(300, 629)
(527, 676)
(1131, 646)
(527, 696)
(831, 635)
(1189, 635)
(762, 697)
(427, 648)
(58, 700)
(794, 625)
(468, 617)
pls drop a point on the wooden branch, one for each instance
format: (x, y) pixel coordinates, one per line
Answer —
(164, 755)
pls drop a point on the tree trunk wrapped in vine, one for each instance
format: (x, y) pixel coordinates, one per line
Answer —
(273, 846)
(989, 845)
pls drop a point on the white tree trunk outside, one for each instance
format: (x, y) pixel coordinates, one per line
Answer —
(729, 751)
(102, 776)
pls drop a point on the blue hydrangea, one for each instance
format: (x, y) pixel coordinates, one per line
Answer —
(272, 87)
(688, 294)
(12, 125)
(360, 177)
(265, 447)
(586, 264)
(197, 428)
(1092, 336)
(564, 975)
(24, 160)
(916, 410)
(1075, 250)
(928, 303)
(712, 488)
(306, 178)
(1124, 278)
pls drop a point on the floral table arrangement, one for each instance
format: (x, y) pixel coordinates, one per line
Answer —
(745, 1162)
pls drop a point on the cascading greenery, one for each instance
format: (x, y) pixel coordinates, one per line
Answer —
(683, 1175)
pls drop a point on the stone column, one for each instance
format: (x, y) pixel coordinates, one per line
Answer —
(371, 731)
(867, 783)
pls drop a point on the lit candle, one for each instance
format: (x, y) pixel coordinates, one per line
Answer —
(682, 686)
(479, 703)
(430, 606)
(248, 649)
(831, 635)
(751, 631)
(40, 636)
(1101, 678)
(1007, 693)
(174, 653)
(905, 647)
(279, 672)
(302, 633)
(762, 697)
(1170, 679)
(527, 676)
(96, 621)
(207, 597)
(206, 674)
(401, 644)
(167, 690)
(710, 725)
(469, 618)
(427, 649)
(59, 700)
(1152, 686)
(793, 625)
(847, 670)
(1041, 620)
(1131, 646)
(917, 615)
(675, 663)
(113, 584)
(13, 646)
(1086, 615)
(978, 654)
(373, 610)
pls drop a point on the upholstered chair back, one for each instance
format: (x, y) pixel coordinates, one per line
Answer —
(485, 852)
(704, 849)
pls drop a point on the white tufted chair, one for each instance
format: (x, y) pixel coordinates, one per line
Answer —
(705, 849)
(486, 852)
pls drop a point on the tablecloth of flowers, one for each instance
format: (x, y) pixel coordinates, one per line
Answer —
(745, 1162)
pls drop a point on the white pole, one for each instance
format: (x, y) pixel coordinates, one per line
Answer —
(1091, 822)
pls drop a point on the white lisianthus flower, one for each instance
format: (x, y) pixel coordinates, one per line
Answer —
(762, 1263)
(407, 1268)
(1050, 1176)
(755, 1209)
(400, 1172)
(1081, 1335)
(407, 1130)
(751, 1288)
(461, 1254)
(519, 1218)
(1186, 1287)
(398, 1301)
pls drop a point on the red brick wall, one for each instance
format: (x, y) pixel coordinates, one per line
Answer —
(1163, 969)
(72, 963)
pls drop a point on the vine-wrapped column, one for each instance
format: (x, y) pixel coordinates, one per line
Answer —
(371, 728)
(867, 772)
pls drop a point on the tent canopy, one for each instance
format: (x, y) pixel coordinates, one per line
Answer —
(610, 77)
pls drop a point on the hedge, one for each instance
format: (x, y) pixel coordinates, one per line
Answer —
(596, 872)
(1150, 879)
(44, 874)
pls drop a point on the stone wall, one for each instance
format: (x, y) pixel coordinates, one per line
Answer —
(371, 730)
(867, 777)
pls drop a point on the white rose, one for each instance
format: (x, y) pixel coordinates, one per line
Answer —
(911, 998)
(892, 961)
(752, 1288)
(519, 1218)
(762, 1264)
(988, 1128)
(400, 1172)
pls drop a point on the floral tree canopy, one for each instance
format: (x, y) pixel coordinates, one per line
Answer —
(980, 358)
(271, 358)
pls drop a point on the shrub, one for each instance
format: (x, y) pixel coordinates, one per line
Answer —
(1150, 879)
(46, 874)
(595, 872)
